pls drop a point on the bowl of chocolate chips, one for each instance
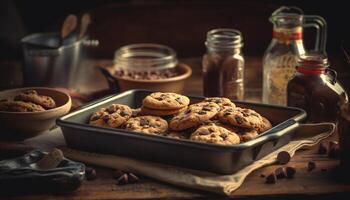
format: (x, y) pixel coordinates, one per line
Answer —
(146, 66)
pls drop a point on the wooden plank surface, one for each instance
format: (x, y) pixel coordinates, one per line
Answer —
(321, 183)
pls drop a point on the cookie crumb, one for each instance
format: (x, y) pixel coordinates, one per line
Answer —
(290, 172)
(280, 173)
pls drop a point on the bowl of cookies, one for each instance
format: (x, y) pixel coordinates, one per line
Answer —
(26, 112)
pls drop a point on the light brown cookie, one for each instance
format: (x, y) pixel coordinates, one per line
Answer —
(113, 116)
(241, 117)
(135, 112)
(155, 112)
(20, 106)
(221, 101)
(266, 125)
(215, 134)
(147, 124)
(194, 115)
(247, 134)
(165, 101)
(177, 135)
(33, 97)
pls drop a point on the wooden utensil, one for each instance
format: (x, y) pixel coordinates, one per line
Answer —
(69, 30)
(84, 24)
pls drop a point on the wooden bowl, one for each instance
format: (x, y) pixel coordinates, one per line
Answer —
(21, 125)
(174, 84)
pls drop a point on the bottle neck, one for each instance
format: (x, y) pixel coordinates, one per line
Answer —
(287, 35)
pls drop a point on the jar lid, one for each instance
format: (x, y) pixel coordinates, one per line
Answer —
(145, 57)
(224, 38)
(314, 60)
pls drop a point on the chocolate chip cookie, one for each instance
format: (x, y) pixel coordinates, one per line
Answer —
(165, 101)
(147, 124)
(113, 116)
(194, 115)
(32, 96)
(221, 101)
(155, 112)
(266, 125)
(20, 106)
(247, 134)
(241, 117)
(215, 134)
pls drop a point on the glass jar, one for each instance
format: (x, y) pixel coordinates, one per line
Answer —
(223, 64)
(286, 46)
(315, 89)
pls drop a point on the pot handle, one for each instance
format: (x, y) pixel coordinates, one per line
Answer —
(111, 80)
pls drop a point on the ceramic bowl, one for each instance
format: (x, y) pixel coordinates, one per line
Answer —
(29, 124)
(174, 84)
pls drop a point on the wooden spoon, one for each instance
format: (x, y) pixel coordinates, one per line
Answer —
(68, 31)
(84, 24)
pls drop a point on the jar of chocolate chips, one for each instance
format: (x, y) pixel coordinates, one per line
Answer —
(145, 61)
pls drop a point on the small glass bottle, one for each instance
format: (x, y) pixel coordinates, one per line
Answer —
(315, 88)
(223, 64)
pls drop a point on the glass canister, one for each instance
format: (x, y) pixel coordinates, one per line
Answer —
(223, 64)
(286, 46)
(315, 89)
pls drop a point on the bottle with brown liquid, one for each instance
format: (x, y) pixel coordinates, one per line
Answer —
(315, 88)
(223, 64)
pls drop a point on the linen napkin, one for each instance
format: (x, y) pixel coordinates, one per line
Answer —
(305, 135)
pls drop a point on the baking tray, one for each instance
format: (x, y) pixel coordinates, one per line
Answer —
(190, 154)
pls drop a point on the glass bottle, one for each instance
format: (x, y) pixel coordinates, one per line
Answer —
(223, 64)
(315, 88)
(286, 46)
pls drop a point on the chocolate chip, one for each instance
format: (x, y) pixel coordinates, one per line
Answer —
(333, 148)
(322, 149)
(106, 118)
(271, 179)
(111, 109)
(94, 117)
(124, 113)
(280, 173)
(223, 135)
(90, 173)
(239, 119)
(205, 108)
(143, 122)
(122, 180)
(212, 135)
(133, 178)
(211, 129)
(159, 98)
(179, 100)
(283, 157)
(204, 132)
(311, 166)
(187, 111)
(227, 113)
(290, 171)
(245, 114)
(202, 112)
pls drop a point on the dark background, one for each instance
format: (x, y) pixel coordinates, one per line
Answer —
(180, 24)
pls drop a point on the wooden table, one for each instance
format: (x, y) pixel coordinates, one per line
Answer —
(321, 183)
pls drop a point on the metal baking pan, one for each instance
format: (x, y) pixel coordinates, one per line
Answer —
(190, 154)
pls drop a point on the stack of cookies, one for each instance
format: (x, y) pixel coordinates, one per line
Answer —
(214, 120)
(27, 101)
(164, 104)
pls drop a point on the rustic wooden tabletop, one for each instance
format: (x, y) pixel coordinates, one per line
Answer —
(321, 183)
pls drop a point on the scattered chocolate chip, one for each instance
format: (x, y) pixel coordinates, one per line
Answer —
(290, 172)
(311, 166)
(133, 178)
(223, 135)
(106, 118)
(333, 148)
(179, 100)
(212, 135)
(159, 98)
(271, 179)
(245, 114)
(117, 174)
(90, 173)
(227, 113)
(123, 179)
(280, 173)
(283, 157)
(143, 122)
(239, 119)
(322, 149)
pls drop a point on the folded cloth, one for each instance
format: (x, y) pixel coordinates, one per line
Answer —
(306, 135)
